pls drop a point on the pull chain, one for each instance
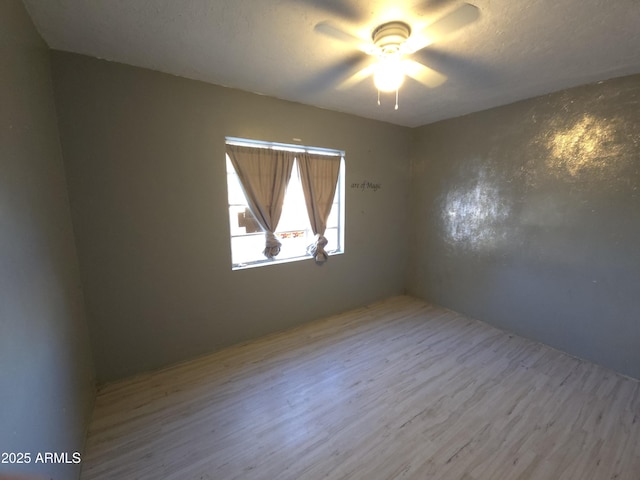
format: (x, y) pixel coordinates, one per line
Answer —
(396, 99)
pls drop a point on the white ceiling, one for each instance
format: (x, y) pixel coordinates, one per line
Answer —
(516, 49)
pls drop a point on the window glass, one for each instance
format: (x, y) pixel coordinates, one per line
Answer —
(294, 230)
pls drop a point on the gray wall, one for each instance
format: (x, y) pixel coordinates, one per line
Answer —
(144, 153)
(524, 216)
(528, 217)
(46, 372)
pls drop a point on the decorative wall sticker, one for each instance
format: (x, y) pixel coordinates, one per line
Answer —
(366, 185)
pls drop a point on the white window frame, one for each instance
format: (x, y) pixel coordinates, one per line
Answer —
(340, 194)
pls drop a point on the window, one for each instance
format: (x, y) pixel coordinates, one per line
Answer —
(294, 230)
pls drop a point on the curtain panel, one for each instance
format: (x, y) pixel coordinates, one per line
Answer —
(319, 178)
(264, 175)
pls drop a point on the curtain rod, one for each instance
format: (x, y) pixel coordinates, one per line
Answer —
(283, 146)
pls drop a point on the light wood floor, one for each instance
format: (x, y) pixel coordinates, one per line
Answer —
(399, 389)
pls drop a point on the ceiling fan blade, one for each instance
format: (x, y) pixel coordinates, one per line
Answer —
(336, 8)
(423, 74)
(330, 30)
(450, 23)
(357, 77)
(327, 78)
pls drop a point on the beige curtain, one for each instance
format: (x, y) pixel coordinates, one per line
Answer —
(319, 178)
(264, 175)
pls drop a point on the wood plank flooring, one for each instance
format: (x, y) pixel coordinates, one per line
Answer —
(396, 390)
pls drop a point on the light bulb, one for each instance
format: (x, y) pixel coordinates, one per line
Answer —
(389, 73)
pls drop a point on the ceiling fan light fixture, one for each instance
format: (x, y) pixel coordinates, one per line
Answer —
(392, 44)
(389, 36)
(389, 74)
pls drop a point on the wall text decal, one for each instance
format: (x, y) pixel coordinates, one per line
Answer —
(366, 185)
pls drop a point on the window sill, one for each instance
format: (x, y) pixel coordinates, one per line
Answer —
(266, 262)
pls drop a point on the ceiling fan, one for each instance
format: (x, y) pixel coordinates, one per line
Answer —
(391, 45)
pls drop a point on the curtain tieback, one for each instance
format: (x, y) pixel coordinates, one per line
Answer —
(272, 247)
(316, 249)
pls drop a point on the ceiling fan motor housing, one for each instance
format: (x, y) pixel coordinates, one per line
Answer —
(389, 36)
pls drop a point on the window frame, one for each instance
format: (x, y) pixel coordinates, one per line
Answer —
(340, 196)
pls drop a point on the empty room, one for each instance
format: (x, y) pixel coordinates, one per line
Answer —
(319, 239)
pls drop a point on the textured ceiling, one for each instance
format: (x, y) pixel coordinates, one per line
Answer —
(515, 50)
